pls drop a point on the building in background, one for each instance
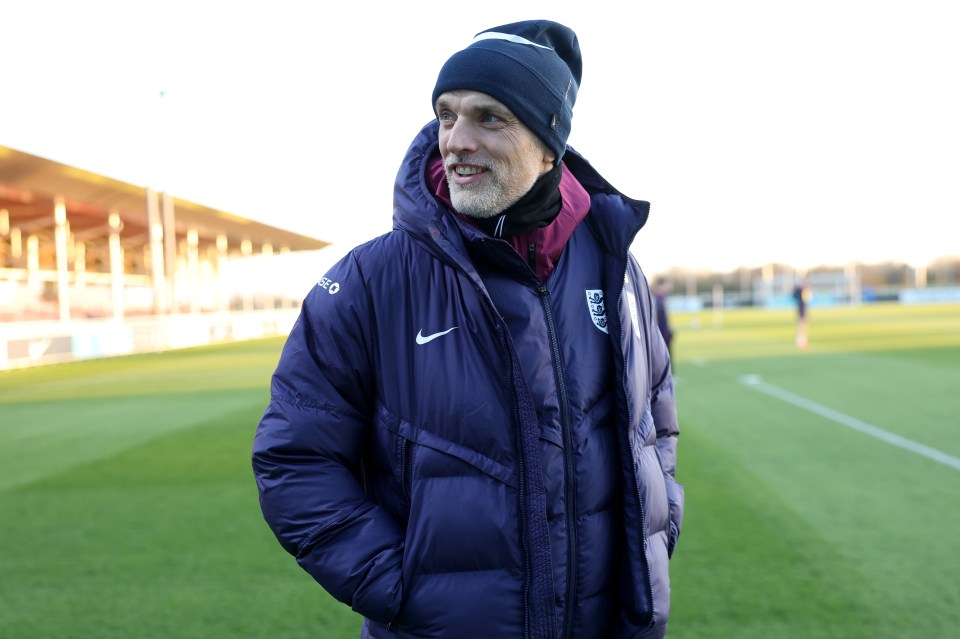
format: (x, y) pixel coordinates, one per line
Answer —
(91, 266)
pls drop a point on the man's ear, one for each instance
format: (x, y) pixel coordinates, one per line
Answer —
(549, 161)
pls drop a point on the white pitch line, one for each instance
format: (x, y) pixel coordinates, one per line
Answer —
(754, 381)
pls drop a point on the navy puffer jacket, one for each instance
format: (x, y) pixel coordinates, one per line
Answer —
(456, 450)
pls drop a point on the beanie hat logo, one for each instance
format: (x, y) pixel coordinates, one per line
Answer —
(532, 67)
(494, 35)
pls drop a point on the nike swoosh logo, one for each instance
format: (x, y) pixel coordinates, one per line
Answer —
(423, 339)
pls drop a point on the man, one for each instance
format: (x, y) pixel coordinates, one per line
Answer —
(661, 287)
(471, 430)
(801, 296)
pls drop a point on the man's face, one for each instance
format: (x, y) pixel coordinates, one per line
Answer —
(491, 159)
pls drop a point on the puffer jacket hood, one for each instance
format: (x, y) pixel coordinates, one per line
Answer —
(418, 212)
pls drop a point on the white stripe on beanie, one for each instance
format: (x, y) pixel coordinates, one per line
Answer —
(495, 35)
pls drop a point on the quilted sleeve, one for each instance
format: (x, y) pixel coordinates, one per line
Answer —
(307, 450)
(664, 408)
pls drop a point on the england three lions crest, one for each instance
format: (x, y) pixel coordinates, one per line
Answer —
(598, 310)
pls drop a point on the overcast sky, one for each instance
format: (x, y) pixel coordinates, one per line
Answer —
(822, 131)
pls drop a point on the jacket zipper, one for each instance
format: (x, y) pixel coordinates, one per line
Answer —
(568, 466)
(524, 535)
(406, 467)
(406, 481)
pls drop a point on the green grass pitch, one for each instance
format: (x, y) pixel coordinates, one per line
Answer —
(799, 525)
(128, 506)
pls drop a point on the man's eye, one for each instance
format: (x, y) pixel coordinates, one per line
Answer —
(490, 118)
(445, 116)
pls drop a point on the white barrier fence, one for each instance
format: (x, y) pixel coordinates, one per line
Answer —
(25, 344)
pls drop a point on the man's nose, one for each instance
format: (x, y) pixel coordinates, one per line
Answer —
(461, 138)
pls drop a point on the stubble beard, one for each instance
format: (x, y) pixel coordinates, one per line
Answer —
(495, 194)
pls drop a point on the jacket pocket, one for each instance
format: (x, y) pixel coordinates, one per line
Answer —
(406, 438)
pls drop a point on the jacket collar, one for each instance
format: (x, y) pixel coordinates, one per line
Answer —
(614, 218)
(549, 240)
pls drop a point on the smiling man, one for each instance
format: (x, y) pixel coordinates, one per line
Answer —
(491, 159)
(472, 430)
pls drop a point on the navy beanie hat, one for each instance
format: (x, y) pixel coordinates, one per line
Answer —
(533, 67)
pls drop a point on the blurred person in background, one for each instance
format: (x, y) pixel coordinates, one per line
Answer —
(801, 297)
(661, 288)
(472, 429)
